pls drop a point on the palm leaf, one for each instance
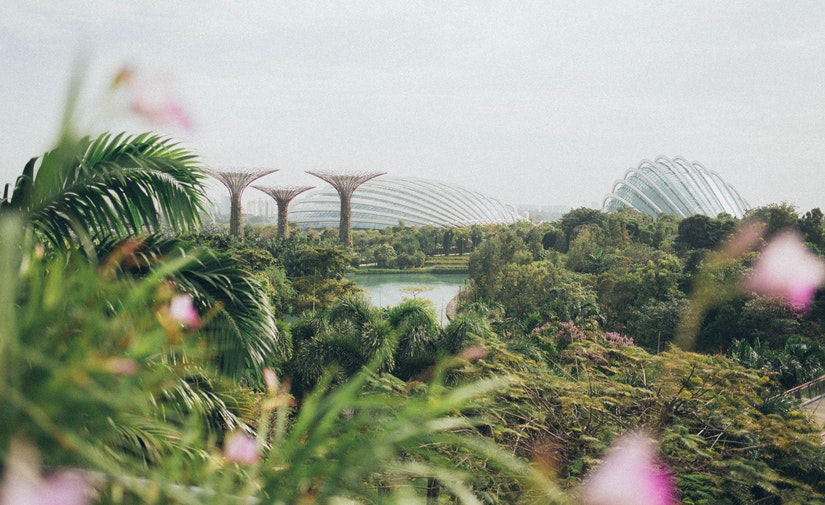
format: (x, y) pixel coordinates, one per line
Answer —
(240, 326)
(111, 186)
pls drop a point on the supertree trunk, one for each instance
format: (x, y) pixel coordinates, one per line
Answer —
(283, 195)
(283, 220)
(235, 224)
(345, 224)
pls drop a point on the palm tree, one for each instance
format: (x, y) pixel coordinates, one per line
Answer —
(102, 191)
(242, 334)
(416, 326)
(112, 186)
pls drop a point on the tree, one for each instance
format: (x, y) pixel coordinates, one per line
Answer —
(586, 250)
(554, 239)
(655, 324)
(702, 232)
(462, 240)
(490, 258)
(447, 240)
(812, 225)
(240, 333)
(416, 326)
(578, 217)
(777, 217)
(385, 256)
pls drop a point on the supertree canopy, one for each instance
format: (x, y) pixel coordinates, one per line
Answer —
(236, 180)
(345, 184)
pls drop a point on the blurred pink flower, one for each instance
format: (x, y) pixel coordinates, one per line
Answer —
(786, 269)
(182, 310)
(162, 113)
(122, 366)
(241, 448)
(630, 475)
(23, 484)
(150, 97)
(271, 380)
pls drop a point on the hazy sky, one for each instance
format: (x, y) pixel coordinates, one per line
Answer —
(533, 102)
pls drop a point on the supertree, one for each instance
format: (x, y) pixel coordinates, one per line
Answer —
(282, 196)
(236, 180)
(345, 184)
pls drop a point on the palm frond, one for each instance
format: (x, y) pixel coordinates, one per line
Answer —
(240, 326)
(417, 327)
(111, 186)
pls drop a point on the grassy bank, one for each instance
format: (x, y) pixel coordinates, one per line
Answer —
(433, 265)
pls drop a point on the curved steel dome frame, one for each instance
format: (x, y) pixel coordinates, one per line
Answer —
(674, 187)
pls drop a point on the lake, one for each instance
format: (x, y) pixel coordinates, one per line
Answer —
(389, 289)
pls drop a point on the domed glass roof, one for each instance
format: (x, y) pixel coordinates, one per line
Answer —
(674, 187)
(387, 200)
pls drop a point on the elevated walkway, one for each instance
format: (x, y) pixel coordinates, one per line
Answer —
(812, 398)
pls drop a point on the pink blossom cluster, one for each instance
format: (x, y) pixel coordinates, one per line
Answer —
(569, 332)
(615, 339)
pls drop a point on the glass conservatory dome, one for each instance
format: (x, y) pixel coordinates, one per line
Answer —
(674, 187)
(388, 200)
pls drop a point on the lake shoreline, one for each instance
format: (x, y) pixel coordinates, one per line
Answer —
(422, 270)
(388, 289)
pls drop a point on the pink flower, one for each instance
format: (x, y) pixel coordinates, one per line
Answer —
(182, 310)
(241, 448)
(122, 366)
(162, 113)
(271, 380)
(150, 97)
(786, 269)
(23, 484)
(630, 475)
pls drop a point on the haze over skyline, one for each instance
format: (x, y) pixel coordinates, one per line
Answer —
(532, 102)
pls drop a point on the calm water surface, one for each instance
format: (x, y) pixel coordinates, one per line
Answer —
(386, 290)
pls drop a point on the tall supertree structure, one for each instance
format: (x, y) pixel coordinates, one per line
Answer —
(345, 184)
(282, 196)
(236, 180)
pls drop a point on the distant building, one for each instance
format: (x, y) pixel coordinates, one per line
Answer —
(541, 213)
(674, 187)
(389, 200)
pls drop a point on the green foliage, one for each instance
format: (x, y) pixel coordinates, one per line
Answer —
(580, 217)
(385, 256)
(416, 326)
(373, 442)
(702, 232)
(723, 446)
(492, 256)
(87, 357)
(812, 225)
(240, 328)
(777, 217)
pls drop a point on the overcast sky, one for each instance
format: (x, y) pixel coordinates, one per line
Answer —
(532, 102)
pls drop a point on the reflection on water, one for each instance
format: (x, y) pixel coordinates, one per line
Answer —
(387, 290)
